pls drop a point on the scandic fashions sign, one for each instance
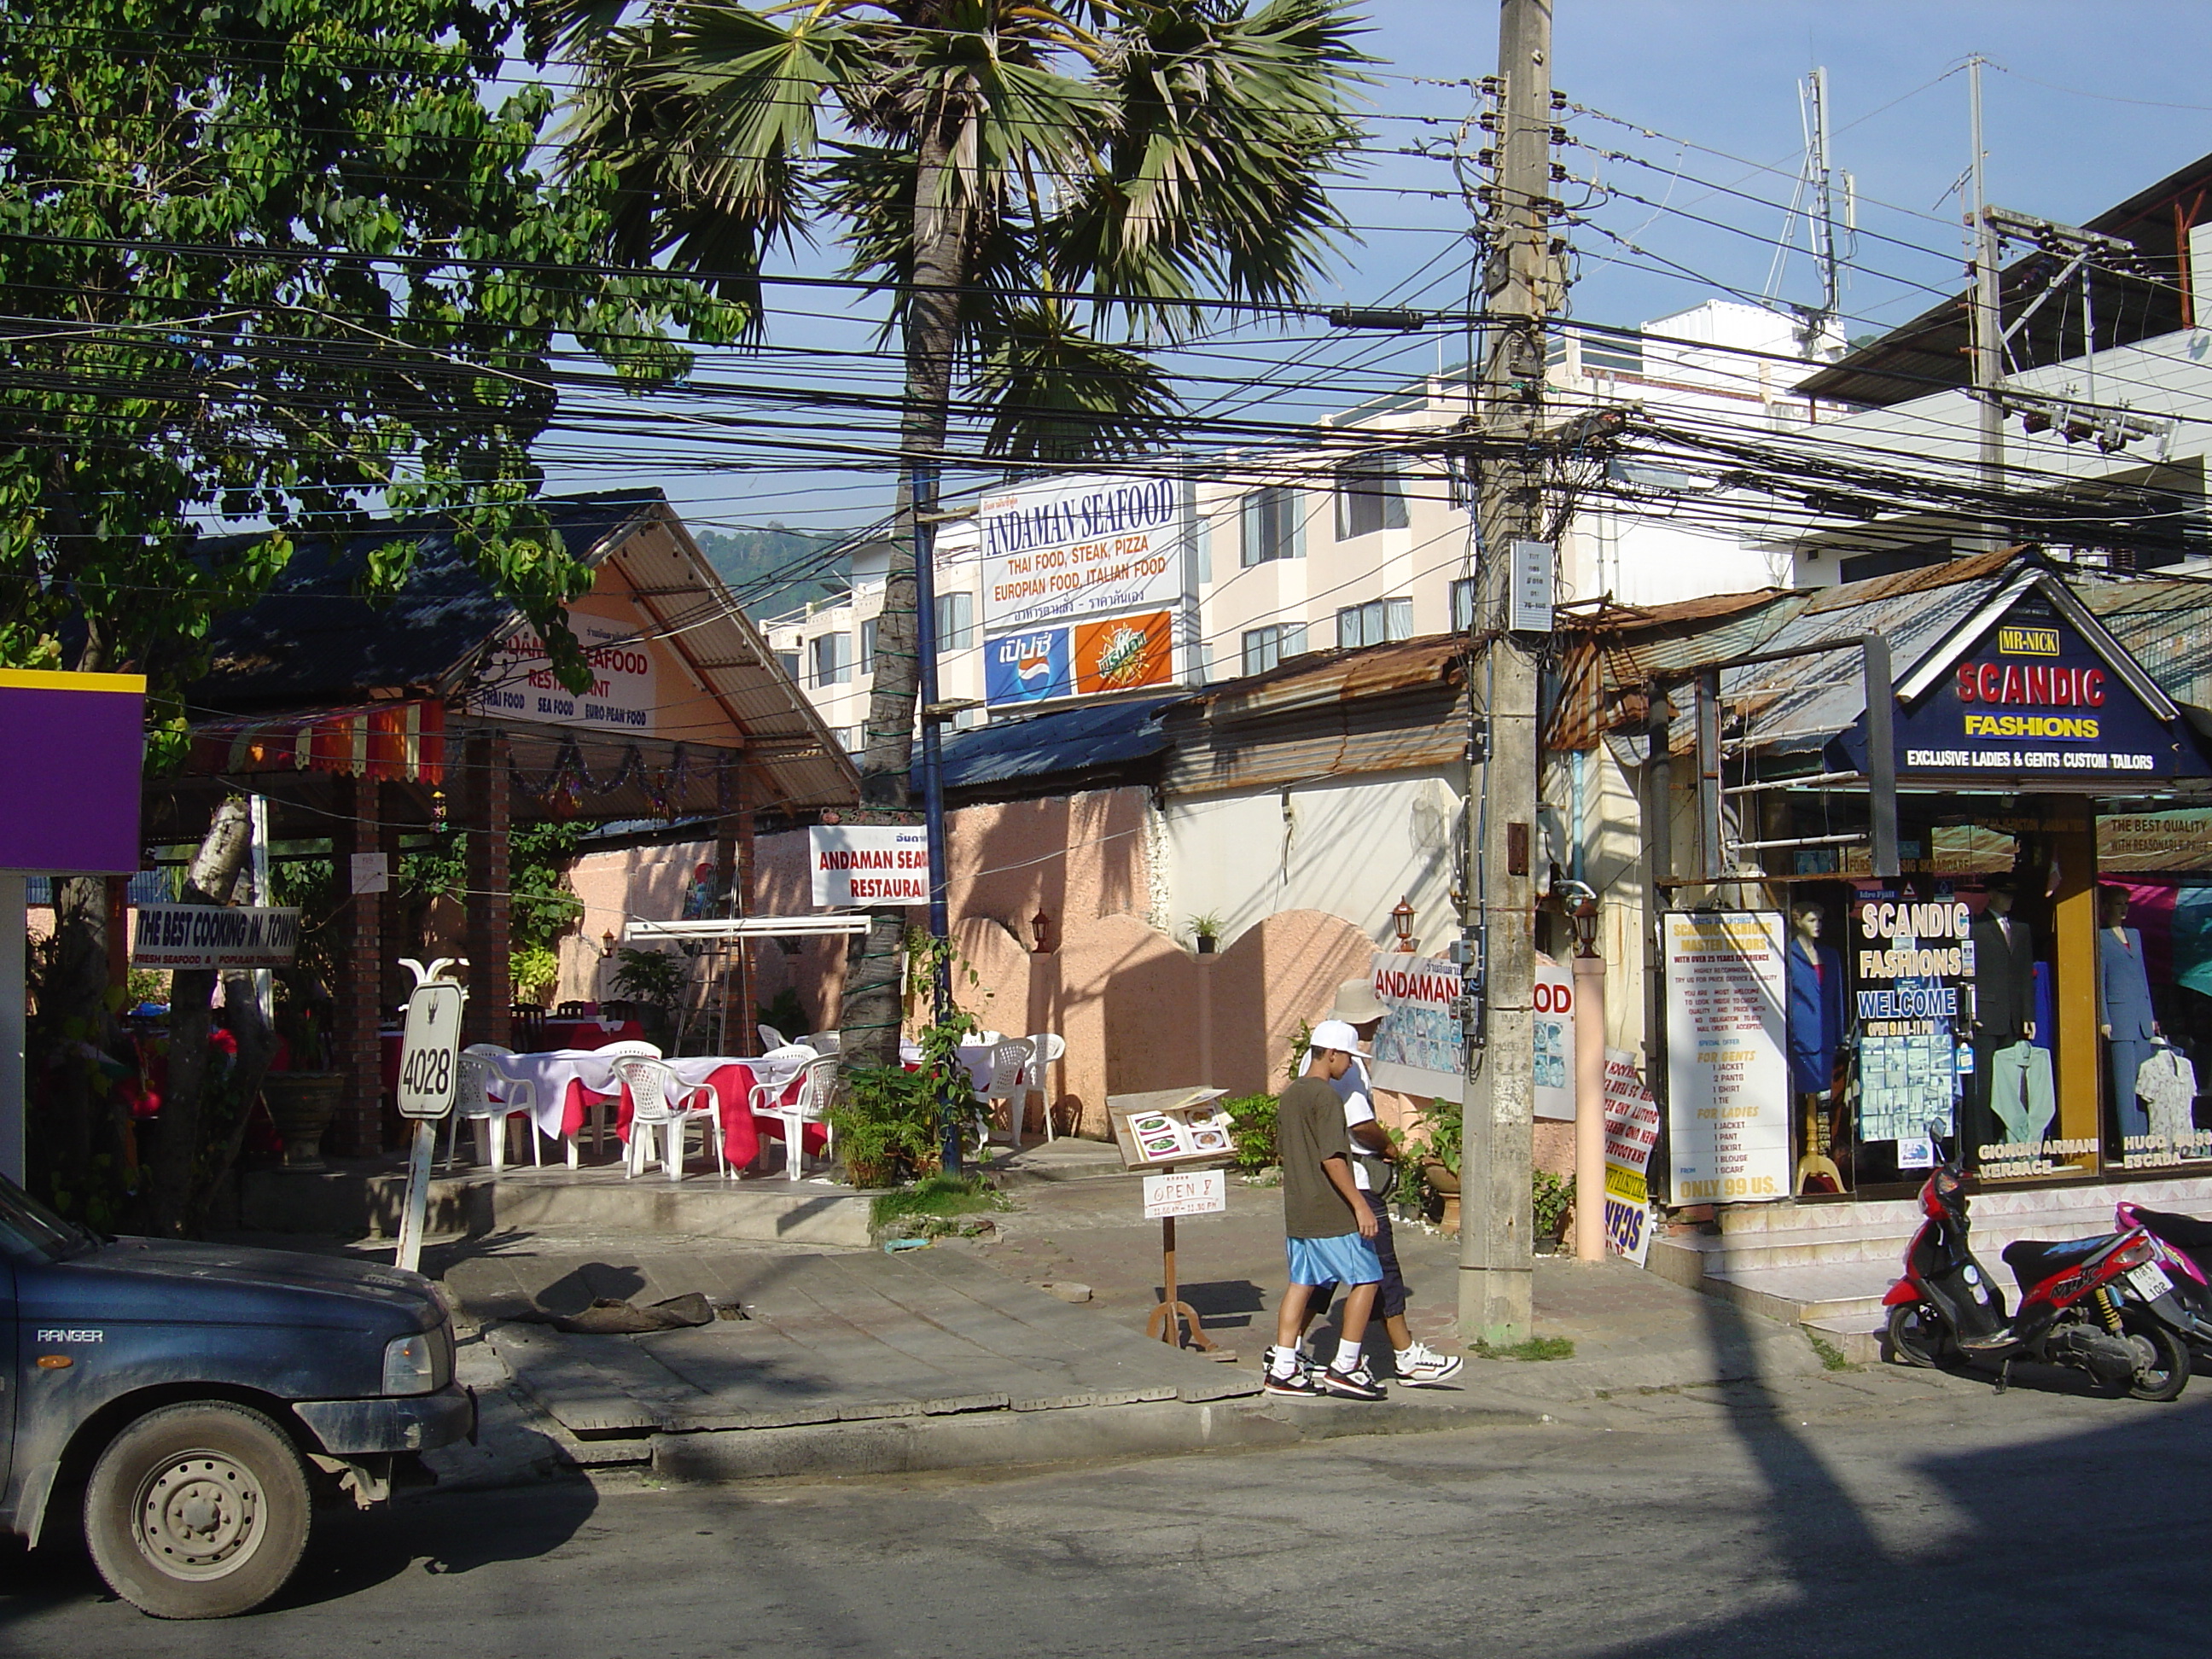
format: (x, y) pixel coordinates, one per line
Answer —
(1070, 548)
(2034, 695)
(868, 864)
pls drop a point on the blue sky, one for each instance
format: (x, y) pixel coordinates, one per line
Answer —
(2086, 103)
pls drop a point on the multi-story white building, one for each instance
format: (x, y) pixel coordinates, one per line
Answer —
(1297, 552)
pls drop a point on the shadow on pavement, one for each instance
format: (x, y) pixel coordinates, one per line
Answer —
(2047, 1538)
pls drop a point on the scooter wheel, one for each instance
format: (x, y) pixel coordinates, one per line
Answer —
(2168, 1375)
(1916, 1337)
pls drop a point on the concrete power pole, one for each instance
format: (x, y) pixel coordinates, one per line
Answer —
(1497, 1263)
(1987, 354)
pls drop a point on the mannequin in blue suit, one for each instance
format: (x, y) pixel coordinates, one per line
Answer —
(1816, 1031)
(2125, 1017)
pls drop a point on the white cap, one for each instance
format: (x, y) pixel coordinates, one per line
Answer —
(1336, 1034)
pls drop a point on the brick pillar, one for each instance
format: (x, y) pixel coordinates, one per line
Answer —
(358, 951)
(396, 983)
(485, 814)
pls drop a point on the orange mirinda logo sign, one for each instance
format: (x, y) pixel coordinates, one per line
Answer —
(1124, 653)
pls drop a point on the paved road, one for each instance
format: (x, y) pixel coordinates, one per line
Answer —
(1859, 1513)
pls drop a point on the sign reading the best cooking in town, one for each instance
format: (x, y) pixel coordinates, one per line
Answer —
(1068, 548)
(2032, 695)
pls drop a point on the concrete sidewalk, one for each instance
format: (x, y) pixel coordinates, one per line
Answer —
(954, 1355)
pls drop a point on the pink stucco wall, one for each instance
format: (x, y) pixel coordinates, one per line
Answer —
(1138, 1009)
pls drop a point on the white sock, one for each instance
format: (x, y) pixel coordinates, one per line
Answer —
(1348, 1358)
(1282, 1362)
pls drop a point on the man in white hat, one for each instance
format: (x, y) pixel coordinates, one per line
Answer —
(1358, 1008)
(1328, 1232)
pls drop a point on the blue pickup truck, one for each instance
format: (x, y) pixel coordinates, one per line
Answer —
(193, 1402)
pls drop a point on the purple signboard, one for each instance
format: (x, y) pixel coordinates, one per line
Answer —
(72, 755)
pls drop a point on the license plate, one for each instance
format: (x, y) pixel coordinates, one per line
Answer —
(2149, 1281)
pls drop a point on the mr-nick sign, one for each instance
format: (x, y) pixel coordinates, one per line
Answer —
(2035, 694)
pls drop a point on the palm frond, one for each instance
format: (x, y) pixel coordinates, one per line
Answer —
(1057, 393)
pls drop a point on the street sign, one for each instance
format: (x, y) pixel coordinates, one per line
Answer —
(1188, 1191)
(429, 1052)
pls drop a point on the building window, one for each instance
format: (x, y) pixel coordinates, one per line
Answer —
(955, 621)
(1376, 622)
(1369, 497)
(1463, 604)
(1271, 526)
(868, 645)
(1264, 648)
(833, 659)
(790, 661)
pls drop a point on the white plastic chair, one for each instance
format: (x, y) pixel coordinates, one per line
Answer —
(478, 1078)
(1046, 1047)
(810, 1104)
(1009, 1081)
(662, 1103)
(826, 1042)
(597, 1113)
(769, 1037)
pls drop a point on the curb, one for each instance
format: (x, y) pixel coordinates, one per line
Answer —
(911, 1445)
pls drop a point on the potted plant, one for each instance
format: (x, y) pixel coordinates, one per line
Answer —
(1552, 1205)
(886, 1125)
(1440, 1148)
(653, 980)
(1205, 931)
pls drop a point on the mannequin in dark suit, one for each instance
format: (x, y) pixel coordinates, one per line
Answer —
(2004, 1007)
(1816, 1030)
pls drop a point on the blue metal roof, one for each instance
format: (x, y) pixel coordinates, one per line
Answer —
(1088, 737)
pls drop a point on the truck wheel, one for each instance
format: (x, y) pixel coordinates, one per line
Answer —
(198, 1510)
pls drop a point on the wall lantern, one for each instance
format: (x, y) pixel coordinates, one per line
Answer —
(1041, 931)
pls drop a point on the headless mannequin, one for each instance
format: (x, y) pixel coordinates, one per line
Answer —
(1813, 1163)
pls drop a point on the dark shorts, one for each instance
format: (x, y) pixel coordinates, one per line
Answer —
(1390, 1293)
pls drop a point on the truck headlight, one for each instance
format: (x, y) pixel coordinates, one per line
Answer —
(410, 1365)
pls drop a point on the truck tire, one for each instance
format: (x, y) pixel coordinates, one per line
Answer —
(198, 1510)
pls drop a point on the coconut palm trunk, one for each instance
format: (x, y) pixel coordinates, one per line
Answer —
(943, 237)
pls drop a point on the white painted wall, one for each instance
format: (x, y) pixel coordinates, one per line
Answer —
(1349, 847)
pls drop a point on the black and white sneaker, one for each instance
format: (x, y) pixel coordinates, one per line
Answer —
(1357, 1383)
(1299, 1384)
(1422, 1367)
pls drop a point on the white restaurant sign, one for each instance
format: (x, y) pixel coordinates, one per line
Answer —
(209, 936)
(1727, 1087)
(868, 864)
(1091, 546)
(623, 696)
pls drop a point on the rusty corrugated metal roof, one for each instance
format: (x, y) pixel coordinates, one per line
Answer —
(1328, 677)
(1972, 567)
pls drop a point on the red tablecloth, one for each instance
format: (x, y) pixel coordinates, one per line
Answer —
(588, 1033)
(732, 1080)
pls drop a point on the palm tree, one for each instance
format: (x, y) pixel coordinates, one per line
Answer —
(996, 166)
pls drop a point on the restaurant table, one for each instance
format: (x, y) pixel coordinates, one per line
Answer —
(569, 1081)
(589, 1033)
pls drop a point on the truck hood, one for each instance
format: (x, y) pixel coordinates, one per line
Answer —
(231, 1284)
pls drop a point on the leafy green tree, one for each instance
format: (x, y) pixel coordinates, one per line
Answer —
(280, 261)
(1015, 174)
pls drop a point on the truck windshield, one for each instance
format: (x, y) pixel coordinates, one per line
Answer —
(29, 1229)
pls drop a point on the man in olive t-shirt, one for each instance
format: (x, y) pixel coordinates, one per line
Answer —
(1327, 1228)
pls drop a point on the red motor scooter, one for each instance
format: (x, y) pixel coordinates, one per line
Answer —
(2088, 1302)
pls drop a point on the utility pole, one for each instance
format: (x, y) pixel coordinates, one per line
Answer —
(1496, 1262)
(1822, 336)
(1987, 350)
(925, 514)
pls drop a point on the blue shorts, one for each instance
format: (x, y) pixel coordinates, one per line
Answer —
(1347, 1259)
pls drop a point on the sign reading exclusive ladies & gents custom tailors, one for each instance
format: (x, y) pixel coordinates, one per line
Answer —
(1728, 1087)
(2034, 696)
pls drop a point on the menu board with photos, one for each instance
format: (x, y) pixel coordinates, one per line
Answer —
(1910, 960)
(1167, 1127)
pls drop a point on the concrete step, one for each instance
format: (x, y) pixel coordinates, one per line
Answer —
(366, 1202)
(1827, 1266)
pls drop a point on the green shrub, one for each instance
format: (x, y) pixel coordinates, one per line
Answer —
(938, 1197)
(533, 970)
(886, 1125)
(1553, 1197)
(1440, 1132)
(1252, 1123)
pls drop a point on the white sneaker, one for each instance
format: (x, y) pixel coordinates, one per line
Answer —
(1421, 1367)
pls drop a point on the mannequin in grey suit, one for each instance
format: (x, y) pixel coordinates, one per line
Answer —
(2124, 1009)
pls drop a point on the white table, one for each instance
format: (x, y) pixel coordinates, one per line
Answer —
(550, 1073)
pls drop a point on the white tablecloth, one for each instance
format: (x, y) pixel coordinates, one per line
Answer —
(976, 1056)
(550, 1073)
